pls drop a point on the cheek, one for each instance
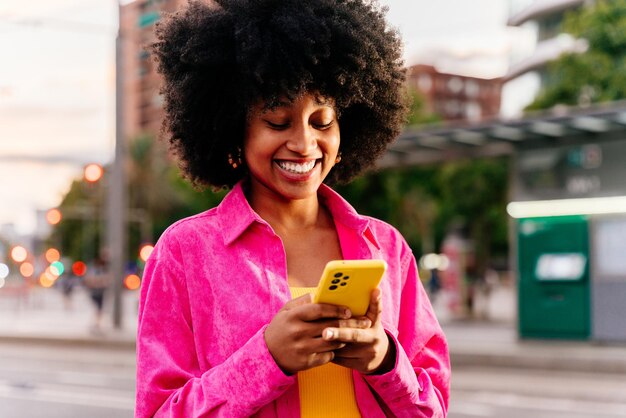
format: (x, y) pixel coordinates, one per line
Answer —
(334, 143)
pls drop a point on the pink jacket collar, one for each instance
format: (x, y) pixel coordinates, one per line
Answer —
(236, 214)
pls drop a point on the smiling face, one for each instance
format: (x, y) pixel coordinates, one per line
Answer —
(290, 149)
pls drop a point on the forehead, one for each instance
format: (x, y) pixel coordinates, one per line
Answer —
(287, 102)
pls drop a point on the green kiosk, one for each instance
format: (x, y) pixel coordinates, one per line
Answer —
(554, 284)
(570, 229)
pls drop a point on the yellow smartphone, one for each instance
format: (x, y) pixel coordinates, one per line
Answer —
(349, 283)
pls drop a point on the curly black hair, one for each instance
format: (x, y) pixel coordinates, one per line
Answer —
(217, 61)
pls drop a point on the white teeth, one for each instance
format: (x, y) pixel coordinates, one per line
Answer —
(296, 167)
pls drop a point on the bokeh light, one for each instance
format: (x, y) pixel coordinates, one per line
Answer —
(4, 271)
(79, 268)
(27, 269)
(132, 282)
(51, 273)
(145, 251)
(57, 268)
(93, 172)
(19, 253)
(54, 216)
(46, 280)
(52, 255)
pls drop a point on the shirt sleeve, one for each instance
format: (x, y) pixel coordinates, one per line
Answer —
(170, 382)
(419, 384)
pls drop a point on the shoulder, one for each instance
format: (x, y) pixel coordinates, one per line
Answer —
(186, 231)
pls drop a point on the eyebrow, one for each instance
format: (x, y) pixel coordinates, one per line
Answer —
(319, 100)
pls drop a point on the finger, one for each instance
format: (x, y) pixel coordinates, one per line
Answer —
(321, 358)
(319, 345)
(362, 323)
(316, 311)
(299, 301)
(349, 335)
(375, 307)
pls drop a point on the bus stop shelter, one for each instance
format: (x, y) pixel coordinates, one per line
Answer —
(568, 210)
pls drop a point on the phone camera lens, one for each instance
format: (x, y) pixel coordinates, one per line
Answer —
(333, 287)
(335, 281)
(343, 283)
(346, 277)
(338, 274)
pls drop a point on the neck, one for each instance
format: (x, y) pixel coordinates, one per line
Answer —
(287, 215)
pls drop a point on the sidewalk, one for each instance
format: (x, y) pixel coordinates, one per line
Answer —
(479, 343)
(42, 317)
(493, 341)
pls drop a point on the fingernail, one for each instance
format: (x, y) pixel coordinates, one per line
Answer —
(347, 313)
(329, 334)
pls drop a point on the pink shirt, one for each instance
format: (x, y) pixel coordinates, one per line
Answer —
(214, 282)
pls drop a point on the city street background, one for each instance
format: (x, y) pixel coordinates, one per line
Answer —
(530, 291)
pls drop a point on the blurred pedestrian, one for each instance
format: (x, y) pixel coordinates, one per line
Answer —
(255, 94)
(97, 281)
(67, 283)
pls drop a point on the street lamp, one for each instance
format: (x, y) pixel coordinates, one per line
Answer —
(93, 172)
(117, 207)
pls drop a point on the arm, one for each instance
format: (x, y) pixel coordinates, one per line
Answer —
(419, 384)
(170, 382)
(410, 373)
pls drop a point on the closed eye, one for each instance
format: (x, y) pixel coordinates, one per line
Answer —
(323, 126)
(277, 126)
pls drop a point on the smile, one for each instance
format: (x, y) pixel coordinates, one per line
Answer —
(297, 168)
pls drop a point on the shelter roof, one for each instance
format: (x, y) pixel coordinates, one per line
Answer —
(428, 144)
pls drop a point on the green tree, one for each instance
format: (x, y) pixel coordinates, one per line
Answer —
(598, 75)
(474, 194)
(157, 197)
(418, 113)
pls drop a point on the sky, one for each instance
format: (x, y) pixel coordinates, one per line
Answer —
(57, 82)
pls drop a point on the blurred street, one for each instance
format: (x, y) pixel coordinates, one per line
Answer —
(63, 381)
(53, 365)
(484, 391)
(45, 315)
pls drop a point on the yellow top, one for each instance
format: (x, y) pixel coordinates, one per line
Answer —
(328, 390)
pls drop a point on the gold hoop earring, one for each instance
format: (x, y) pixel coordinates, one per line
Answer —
(235, 161)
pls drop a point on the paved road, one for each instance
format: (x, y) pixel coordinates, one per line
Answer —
(66, 382)
(523, 393)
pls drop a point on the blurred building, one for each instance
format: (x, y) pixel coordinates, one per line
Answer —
(547, 17)
(456, 97)
(142, 103)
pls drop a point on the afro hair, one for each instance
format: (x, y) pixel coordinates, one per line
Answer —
(218, 60)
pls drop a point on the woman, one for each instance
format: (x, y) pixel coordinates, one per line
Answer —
(275, 98)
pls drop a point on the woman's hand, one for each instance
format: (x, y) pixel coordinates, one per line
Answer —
(366, 350)
(294, 336)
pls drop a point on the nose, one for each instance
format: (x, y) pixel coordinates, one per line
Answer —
(303, 140)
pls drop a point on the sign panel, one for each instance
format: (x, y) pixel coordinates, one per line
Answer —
(572, 171)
